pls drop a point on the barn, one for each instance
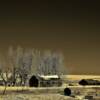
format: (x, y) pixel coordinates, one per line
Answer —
(89, 82)
(45, 81)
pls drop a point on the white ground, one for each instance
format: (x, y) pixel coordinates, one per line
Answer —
(16, 93)
(36, 97)
(53, 93)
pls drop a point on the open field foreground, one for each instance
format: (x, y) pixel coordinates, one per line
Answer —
(36, 97)
(27, 93)
(79, 77)
(78, 92)
(49, 93)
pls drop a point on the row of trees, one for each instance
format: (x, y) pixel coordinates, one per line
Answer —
(18, 63)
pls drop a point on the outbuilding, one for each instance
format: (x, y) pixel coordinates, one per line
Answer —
(45, 81)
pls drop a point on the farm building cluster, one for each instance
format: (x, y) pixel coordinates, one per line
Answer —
(38, 81)
(45, 81)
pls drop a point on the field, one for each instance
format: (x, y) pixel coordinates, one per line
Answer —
(53, 93)
(26, 93)
(35, 97)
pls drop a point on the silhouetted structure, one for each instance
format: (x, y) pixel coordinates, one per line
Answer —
(89, 97)
(67, 91)
(89, 82)
(45, 81)
(33, 82)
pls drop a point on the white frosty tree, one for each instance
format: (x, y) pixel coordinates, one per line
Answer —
(21, 61)
(50, 63)
(35, 68)
(5, 69)
(24, 63)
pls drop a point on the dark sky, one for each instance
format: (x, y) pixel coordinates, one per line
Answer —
(71, 27)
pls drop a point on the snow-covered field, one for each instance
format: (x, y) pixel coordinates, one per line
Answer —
(79, 77)
(52, 93)
(26, 93)
(36, 97)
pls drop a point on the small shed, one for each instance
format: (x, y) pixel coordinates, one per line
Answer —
(45, 81)
(33, 82)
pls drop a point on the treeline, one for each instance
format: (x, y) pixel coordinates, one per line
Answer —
(17, 64)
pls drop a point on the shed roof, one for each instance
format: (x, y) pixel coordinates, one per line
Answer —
(49, 77)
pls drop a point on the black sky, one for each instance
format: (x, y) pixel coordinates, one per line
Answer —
(71, 27)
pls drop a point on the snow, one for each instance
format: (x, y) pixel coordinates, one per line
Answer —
(49, 76)
(36, 97)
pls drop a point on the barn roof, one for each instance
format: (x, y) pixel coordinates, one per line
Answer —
(49, 77)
